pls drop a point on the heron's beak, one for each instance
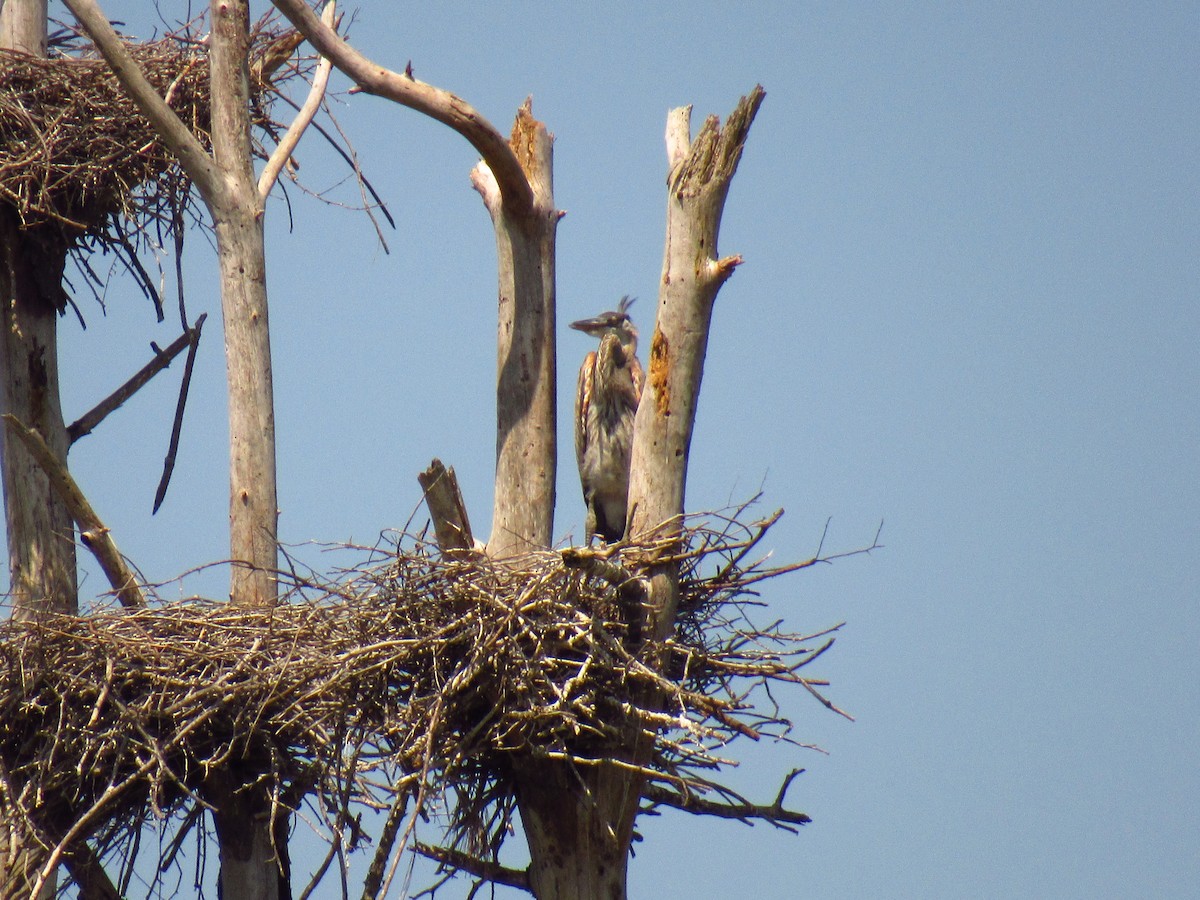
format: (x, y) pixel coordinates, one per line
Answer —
(589, 326)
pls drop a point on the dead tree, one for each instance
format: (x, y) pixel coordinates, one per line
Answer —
(579, 820)
(41, 539)
(225, 180)
(253, 863)
(521, 678)
(41, 535)
(515, 180)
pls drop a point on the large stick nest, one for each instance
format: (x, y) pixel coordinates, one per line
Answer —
(75, 152)
(424, 672)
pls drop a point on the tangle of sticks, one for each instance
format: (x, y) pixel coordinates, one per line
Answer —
(392, 685)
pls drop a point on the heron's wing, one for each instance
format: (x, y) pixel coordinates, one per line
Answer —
(583, 401)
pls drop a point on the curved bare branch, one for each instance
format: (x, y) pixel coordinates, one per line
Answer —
(403, 88)
(176, 135)
(304, 117)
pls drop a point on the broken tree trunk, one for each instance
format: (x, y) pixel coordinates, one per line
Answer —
(526, 413)
(697, 184)
(579, 820)
(41, 536)
(516, 183)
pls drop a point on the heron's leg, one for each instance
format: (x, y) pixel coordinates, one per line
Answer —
(590, 522)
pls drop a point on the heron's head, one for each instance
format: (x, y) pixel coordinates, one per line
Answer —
(613, 322)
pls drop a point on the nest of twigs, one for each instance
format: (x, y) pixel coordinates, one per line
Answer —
(74, 150)
(401, 682)
(81, 167)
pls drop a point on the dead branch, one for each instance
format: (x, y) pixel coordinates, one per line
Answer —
(483, 869)
(92, 531)
(87, 423)
(403, 88)
(444, 499)
(283, 151)
(180, 405)
(742, 810)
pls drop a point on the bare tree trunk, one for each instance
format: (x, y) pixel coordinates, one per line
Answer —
(41, 536)
(238, 215)
(249, 868)
(526, 417)
(515, 180)
(697, 184)
(578, 823)
(41, 542)
(23, 26)
(226, 182)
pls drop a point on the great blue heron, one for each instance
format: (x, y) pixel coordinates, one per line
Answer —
(606, 401)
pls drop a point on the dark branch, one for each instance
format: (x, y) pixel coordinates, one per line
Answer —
(87, 871)
(87, 423)
(473, 865)
(193, 335)
(775, 813)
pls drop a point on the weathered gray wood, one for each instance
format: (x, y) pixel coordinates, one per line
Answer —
(92, 531)
(516, 183)
(446, 508)
(692, 274)
(526, 411)
(41, 536)
(23, 26)
(226, 182)
(41, 540)
(238, 218)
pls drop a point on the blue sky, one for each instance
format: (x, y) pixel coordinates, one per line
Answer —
(968, 309)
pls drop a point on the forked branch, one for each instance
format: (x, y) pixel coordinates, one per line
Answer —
(87, 423)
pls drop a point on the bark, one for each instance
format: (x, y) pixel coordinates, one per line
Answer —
(250, 867)
(516, 183)
(578, 822)
(41, 540)
(451, 525)
(249, 870)
(692, 274)
(238, 217)
(526, 413)
(226, 183)
(23, 26)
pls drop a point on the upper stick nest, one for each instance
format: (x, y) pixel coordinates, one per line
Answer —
(424, 670)
(75, 151)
